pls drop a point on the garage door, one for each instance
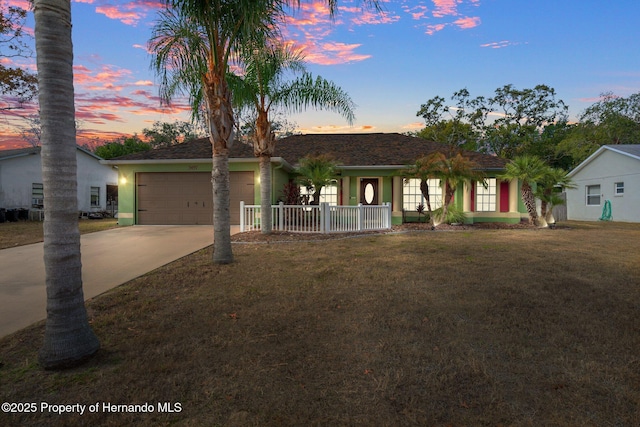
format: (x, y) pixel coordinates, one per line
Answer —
(170, 198)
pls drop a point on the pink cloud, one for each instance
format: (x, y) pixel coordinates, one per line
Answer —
(22, 4)
(126, 17)
(108, 78)
(143, 83)
(373, 18)
(467, 22)
(432, 29)
(331, 53)
(417, 12)
(499, 45)
(445, 8)
(129, 13)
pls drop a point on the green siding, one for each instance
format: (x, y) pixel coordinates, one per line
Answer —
(127, 174)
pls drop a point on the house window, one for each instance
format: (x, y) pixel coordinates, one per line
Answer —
(593, 195)
(37, 195)
(328, 194)
(412, 196)
(486, 195)
(619, 188)
(95, 196)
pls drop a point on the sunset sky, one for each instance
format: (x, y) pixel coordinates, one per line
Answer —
(389, 63)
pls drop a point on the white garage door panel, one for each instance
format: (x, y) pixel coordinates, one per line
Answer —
(175, 198)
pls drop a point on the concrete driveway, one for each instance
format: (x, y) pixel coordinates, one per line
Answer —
(109, 258)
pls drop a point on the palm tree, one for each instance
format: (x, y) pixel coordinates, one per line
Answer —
(262, 87)
(193, 44)
(315, 173)
(425, 168)
(68, 337)
(454, 171)
(545, 191)
(529, 170)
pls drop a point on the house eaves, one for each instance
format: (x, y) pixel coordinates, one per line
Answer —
(277, 160)
(31, 151)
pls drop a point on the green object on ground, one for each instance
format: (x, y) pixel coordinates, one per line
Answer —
(606, 211)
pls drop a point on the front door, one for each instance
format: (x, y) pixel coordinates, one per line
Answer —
(369, 191)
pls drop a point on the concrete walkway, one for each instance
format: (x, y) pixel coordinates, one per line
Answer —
(109, 258)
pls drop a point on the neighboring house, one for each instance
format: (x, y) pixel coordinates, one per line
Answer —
(172, 185)
(611, 173)
(21, 180)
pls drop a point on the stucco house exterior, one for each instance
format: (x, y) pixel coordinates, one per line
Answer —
(172, 185)
(21, 180)
(611, 174)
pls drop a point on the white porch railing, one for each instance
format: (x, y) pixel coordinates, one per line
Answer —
(322, 218)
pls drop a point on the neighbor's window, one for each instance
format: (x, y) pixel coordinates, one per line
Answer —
(593, 195)
(486, 196)
(619, 188)
(95, 196)
(37, 195)
(412, 196)
(328, 194)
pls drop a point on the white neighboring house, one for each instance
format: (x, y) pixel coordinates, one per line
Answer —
(21, 180)
(611, 173)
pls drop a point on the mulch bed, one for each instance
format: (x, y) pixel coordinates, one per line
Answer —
(284, 236)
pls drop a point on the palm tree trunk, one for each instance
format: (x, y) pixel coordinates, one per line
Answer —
(542, 219)
(265, 195)
(263, 147)
(424, 189)
(218, 101)
(68, 337)
(529, 202)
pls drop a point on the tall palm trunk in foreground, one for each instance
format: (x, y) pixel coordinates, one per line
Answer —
(220, 121)
(68, 338)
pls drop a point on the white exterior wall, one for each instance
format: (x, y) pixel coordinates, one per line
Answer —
(19, 173)
(605, 170)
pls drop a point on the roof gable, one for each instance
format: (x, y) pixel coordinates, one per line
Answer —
(373, 150)
(21, 152)
(629, 150)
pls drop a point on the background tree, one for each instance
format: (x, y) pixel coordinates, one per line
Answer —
(522, 115)
(454, 125)
(68, 337)
(316, 172)
(164, 134)
(17, 85)
(193, 43)
(510, 123)
(611, 120)
(265, 85)
(121, 147)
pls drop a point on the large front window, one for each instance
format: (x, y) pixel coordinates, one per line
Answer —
(486, 195)
(412, 196)
(593, 195)
(328, 194)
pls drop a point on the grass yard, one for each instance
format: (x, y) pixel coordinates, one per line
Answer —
(26, 232)
(461, 328)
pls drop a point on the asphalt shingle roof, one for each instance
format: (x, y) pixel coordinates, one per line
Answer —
(365, 149)
(632, 149)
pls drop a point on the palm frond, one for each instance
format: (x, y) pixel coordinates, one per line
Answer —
(305, 92)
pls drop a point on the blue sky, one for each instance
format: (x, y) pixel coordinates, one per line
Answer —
(389, 63)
